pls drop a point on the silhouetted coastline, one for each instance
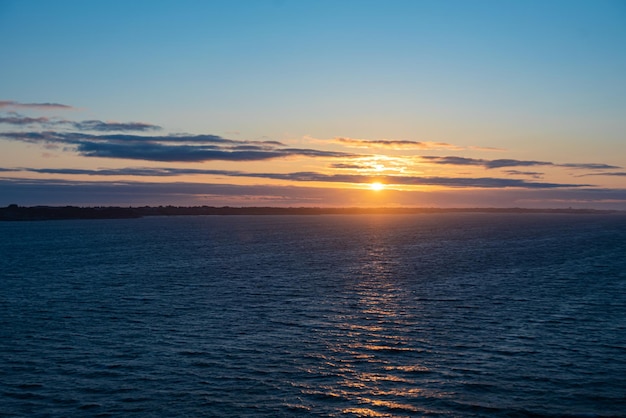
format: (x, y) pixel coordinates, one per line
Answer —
(37, 213)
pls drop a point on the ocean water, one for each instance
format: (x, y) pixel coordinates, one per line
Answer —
(327, 316)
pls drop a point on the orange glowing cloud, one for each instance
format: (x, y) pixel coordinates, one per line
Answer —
(395, 144)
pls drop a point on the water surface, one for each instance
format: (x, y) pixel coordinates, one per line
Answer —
(268, 316)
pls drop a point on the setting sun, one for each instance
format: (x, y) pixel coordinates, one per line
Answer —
(377, 186)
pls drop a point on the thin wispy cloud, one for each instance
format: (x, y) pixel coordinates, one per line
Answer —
(615, 173)
(98, 125)
(407, 145)
(394, 144)
(345, 166)
(476, 148)
(533, 174)
(16, 119)
(20, 120)
(503, 163)
(10, 104)
(589, 166)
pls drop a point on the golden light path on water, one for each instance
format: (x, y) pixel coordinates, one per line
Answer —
(369, 348)
(382, 317)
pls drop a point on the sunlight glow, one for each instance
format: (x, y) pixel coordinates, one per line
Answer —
(377, 186)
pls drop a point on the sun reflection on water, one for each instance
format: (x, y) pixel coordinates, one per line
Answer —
(371, 350)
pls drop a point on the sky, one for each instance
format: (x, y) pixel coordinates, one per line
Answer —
(486, 103)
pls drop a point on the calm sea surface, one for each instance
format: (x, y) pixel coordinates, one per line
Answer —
(271, 316)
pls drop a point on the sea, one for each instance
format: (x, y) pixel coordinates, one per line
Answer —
(442, 314)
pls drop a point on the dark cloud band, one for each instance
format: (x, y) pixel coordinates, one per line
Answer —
(460, 182)
(168, 148)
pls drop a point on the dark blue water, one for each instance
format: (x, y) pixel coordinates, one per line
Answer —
(438, 314)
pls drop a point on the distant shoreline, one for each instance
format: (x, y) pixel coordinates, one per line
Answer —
(39, 213)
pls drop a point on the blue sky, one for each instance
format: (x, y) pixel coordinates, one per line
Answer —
(539, 84)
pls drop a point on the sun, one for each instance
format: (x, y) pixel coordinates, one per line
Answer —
(376, 186)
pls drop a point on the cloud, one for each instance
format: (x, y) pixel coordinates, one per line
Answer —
(16, 119)
(589, 166)
(533, 174)
(158, 152)
(168, 148)
(452, 160)
(481, 182)
(10, 104)
(98, 125)
(475, 148)
(308, 176)
(394, 144)
(615, 173)
(350, 166)
(151, 151)
(19, 120)
(77, 138)
(502, 163)
(135, 171)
